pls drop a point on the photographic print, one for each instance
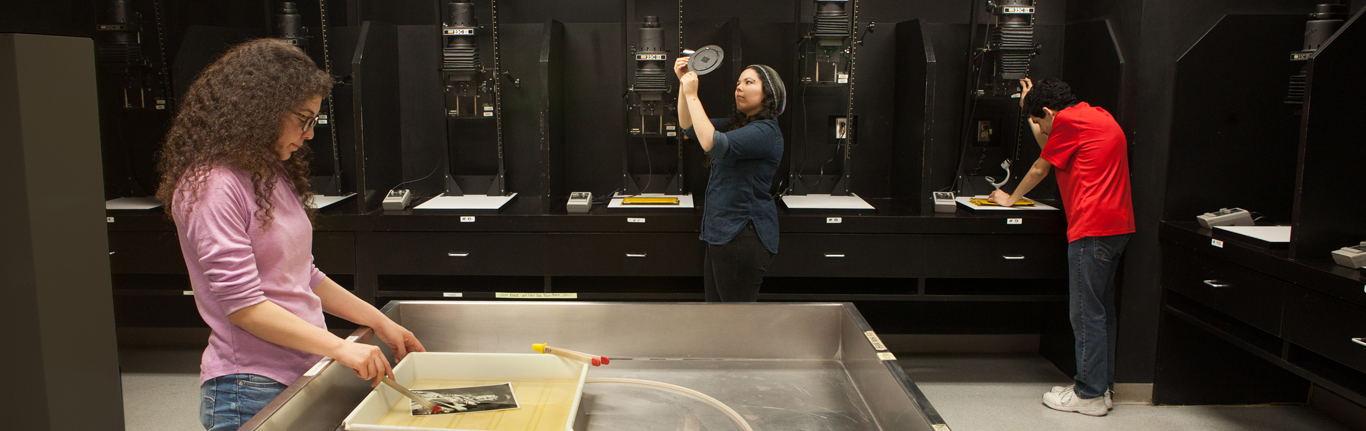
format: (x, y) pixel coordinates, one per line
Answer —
(466, 400)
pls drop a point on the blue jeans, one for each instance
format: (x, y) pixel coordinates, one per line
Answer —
(229, 401)
(1091, 265)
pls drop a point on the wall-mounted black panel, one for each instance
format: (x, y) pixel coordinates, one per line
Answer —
(423, 120)
(1093, 64)
(398, 12)
(201, 46)
(594, 114)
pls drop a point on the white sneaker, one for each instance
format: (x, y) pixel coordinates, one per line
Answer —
(1068, 401)
(1109, 399)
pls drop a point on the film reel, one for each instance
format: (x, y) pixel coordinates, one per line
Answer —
(705, 59)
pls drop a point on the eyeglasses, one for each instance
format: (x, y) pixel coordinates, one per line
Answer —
(309, 122)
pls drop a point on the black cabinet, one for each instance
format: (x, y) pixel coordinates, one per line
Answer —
(455, 253)
(826, 255)
(334, 252)
(145, 253)
(1243, 294)
(996, 256)
(1236, 314)
(622, 254)
(1327, 326)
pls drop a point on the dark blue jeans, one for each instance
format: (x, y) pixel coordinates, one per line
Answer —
(1091, 265)
(229, 401)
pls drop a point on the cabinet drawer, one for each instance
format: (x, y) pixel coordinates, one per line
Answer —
(334, 252)
(1328, 326)
(159, 253)
(995, 256)
(838, 255)
(1239, 292)
(656, 254)
(455, 253)
(145, 253)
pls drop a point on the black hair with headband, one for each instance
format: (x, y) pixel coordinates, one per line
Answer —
(774, 103)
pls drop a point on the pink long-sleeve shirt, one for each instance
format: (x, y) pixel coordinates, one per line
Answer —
(236, 262)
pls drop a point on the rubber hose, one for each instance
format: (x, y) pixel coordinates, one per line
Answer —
(695, 394)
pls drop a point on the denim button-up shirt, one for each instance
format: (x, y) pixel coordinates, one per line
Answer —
(742, 167)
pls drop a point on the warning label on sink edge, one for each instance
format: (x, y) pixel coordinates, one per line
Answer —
(535, 295)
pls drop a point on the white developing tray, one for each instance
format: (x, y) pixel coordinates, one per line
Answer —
(501, 367)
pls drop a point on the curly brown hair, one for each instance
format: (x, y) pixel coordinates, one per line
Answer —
(232, 115)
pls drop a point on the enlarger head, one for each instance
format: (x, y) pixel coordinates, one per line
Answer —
(1012, 39)
(651, 68)
(1326, 20)
(289, 25)
(119, 23)
(705, 59)
(460, 55)
(649, 111)
(832, 23)
(460, 15)
(825, 53)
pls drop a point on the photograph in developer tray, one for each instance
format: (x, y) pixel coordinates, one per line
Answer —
(467, 400)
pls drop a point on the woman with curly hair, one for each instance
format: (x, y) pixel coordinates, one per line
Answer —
(740, 221)
(234, 176)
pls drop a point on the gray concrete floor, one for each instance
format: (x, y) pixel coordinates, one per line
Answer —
(160, 388)
(973, 392)
(979, 392)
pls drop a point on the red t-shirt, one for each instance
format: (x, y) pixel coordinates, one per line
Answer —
(1089, 153)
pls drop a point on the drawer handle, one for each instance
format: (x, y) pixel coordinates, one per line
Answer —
(834, 255)
(111, 253)
(1017, 257)
(635, 254)
(458, 254)
(1216, 284)
(1359, 341)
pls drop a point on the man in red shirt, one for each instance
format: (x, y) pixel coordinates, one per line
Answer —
(1088, 149)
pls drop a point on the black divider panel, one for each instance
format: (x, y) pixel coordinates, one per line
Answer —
(1332, 148)
(913, 122)
(342, 48)
(376, 112)
(522, 46)
(551, 112)
(1232, 136)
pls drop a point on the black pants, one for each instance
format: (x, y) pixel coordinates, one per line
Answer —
(734, 271)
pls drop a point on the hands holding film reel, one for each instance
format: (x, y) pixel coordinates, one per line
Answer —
(694, 63)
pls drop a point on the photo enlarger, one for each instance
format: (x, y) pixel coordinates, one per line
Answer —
(470, 82)
(134, 96)
(326, 164)
(652, 160)
(331, 166)
(823, 102)
(996, 141)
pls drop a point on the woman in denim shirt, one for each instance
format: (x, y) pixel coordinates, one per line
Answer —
(740, 220)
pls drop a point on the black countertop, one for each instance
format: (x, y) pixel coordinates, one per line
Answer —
(526, 215)
(1321, 275)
